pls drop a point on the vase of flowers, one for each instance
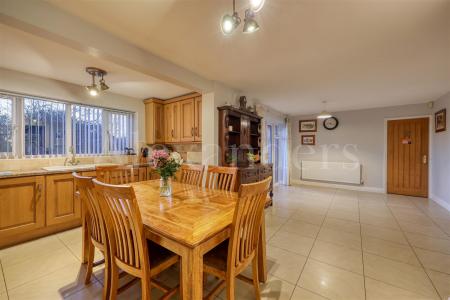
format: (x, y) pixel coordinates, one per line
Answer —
(166, 165)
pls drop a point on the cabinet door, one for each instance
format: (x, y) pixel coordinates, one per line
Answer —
(154, 123)
(159, 122)
(245, 130)
(198, 119)
(168, 123)
(62, 205)
(187, 120)
(176, 121)
(22, 205)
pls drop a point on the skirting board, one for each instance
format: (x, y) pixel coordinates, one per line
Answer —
(338, 186)
(441, 202)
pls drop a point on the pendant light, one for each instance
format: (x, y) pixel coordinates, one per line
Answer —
(250, 25)
(93, 89)
(230, 22)
(324, 114)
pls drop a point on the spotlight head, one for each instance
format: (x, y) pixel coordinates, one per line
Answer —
(103, 85)
(229, 23)
(250, 25)
(93, 90)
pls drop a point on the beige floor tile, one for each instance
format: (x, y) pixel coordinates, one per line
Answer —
(3, 296)
(398, 274)
(19, 253)
(279, 212)
(2, 281)
(35, 267)
(383, 234)
(352, 240)
(442, 283)
(432, 231)
(343, 214)
(92, 292)
(274, 288)
(338, 256)
(274, 222)
(76, 249)
(377, 290)
(292, 242)
(302, 294)
(331, 282)
(387, 222)
(434, 260)
(344, 225)
(391, 250)
(301, 228)
(429, 243)
(71, 236)
(56, 285)
(312, 218)
(284, 264)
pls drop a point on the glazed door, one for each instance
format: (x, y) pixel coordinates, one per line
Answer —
(407, 157)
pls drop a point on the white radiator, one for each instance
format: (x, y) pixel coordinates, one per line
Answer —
(332, 171)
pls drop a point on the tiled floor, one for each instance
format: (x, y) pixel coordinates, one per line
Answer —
(322, 244)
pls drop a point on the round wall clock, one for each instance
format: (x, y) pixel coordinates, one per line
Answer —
(330, 123)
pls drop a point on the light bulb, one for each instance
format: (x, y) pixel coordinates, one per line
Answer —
(92, 89)
(227, 24)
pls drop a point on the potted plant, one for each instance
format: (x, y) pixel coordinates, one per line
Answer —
(166, 165)
(252, 158)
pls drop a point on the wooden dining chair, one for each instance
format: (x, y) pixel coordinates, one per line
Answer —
(221, 178)
(95, 228)
(118, 174)
(192, 174)
(229, 259)
(129, 249)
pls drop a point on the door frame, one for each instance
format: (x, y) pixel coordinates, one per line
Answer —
(430, 150)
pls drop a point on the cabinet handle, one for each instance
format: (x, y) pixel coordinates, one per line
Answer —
(37, 196)
(192, 131)
(172, 132)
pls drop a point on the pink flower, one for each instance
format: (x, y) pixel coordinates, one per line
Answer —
(159, 158)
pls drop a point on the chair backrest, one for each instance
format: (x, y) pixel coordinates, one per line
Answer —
(221, 178)
(247, 222)
(94, 214)
(192, 174)
(115, 174)
(124, 226)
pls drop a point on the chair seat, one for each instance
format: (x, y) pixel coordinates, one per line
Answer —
(159, 255)
(217, 258)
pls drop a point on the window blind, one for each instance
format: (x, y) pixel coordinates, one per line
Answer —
(44, 127)
(87, 129)
(120, 131)
(6, 126)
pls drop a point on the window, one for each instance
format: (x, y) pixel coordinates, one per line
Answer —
(44, 127)
(87, 129)
(6, 126)
(120, 131)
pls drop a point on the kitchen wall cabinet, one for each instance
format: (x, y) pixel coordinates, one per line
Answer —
(62, 205)
(154, 121)
(179, 119)
(22, 206)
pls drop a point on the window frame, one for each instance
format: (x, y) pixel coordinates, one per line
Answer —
(18, 124)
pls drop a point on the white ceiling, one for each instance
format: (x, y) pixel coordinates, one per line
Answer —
(27, 53)
(352, 53)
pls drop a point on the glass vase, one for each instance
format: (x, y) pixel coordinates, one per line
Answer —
(165, 187)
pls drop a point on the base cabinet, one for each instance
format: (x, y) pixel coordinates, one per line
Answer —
(62, 204)
(22, 206)
(254, 174)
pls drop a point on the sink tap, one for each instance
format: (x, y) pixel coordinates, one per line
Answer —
(73, 161)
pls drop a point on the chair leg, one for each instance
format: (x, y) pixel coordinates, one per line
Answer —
(230, 287)
(114, 281)
(107, 276)
(255, 277)
(145, 288)
(90, 261)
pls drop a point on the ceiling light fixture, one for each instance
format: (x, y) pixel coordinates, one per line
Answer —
(256, 5)
(230, 22)
(250, 25)
(93, 89)
(324, 114)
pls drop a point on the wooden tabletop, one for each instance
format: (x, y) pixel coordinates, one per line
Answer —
(191, 215)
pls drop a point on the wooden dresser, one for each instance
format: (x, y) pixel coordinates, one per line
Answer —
(254, 174)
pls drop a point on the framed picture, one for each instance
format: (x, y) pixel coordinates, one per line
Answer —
(440, 120)
(308, 140)
(308, 125)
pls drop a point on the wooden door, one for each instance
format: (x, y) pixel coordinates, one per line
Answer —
(22, 205)
(62, 205)
(198, 119)
(154, 123)
(187, 108)
(159, 122)
(407, 157)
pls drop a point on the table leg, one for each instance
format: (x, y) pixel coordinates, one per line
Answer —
(191, 274)
(262, 260)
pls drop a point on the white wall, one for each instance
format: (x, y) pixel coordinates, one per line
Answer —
(359, 136)
(441, 160)
(18, 82)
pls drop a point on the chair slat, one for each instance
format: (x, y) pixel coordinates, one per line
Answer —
(221, 178)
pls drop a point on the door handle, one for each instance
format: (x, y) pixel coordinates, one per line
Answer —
(425, 159)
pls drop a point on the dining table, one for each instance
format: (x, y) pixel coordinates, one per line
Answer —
(191, 222)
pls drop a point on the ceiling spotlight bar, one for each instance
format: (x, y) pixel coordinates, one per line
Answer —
(93, 89)
(230, 22)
